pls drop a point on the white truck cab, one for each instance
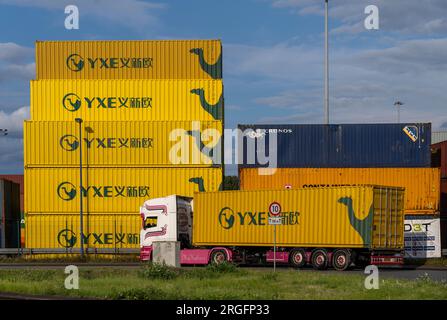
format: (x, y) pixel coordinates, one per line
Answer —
(170, 219)
(166, 219)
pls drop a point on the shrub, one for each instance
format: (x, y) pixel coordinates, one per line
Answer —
(159, 271)
(225, 267)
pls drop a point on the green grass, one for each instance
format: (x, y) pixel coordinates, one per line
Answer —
(225, 282)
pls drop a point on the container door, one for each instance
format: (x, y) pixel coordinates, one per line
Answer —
(388, 223)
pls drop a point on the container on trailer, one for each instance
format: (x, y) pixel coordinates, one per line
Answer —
(336, 145)
(57, 190)
(118, 143)
(422, 237)
(439, 157)
(125, 100)
(340, 217)
(9, 214)
(438, 136)
(421, 184)
(102, 230)
(145, 59)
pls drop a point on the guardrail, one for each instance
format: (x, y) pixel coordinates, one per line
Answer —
(31, 251)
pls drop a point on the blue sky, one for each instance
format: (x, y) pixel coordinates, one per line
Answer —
(273, 56)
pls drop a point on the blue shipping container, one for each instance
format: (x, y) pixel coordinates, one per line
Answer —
(337, 145)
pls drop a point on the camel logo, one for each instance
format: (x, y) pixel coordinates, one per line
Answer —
(69, 142)
(66, 238)
(71, 102)
(214, 70)
(75, 62)
(412, 132)
(201, 184)
(226, 218)
(215, 110)
(66, 191)
(360, 225)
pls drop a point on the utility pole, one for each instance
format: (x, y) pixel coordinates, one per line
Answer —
(326, 62)
(81, 218)
(398, 104)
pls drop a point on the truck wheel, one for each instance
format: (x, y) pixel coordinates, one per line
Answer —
(297, 258)
(319, 259)
(341, 259)
(218, 257)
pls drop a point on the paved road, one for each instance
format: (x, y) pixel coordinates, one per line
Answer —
(411, 273)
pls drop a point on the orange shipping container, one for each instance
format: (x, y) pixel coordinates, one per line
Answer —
(422, 185)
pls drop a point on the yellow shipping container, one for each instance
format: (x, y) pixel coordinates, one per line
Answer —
(131, 143)
(146, 59)
(57, 190)
(139, 100)
(339, 217)
(100, 230)
(421, 185)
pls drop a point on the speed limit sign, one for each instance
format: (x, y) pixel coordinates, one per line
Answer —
(275, 209)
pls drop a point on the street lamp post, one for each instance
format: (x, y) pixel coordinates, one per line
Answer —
(81, 220)
(398, 104)
(326, 62)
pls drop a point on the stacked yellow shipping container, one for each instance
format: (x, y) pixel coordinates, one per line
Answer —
(152, 122)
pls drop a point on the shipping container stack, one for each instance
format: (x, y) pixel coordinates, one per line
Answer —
(145, 118)
(351, 154)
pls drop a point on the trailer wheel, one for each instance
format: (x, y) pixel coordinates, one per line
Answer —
(341, 259)
(218, 257)
(319, 259)
(297, 258)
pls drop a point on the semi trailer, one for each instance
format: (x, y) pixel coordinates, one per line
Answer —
(325, 227)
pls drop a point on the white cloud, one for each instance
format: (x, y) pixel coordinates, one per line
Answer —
(14, 121)
(11, 145)
(281, 61)
(402, 16)
(12, 52)
(364, 84)
(132, 13)
(15, 62)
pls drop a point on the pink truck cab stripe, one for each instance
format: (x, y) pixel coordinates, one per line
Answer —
(188, 256)
(146, 253)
